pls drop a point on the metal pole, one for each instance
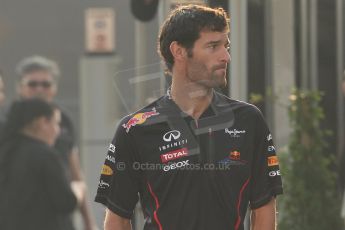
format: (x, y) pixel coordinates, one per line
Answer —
(340, 69)
(313, 49)
(304, 44)
(238, 36)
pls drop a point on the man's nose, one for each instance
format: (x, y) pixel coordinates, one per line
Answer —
(226, 57)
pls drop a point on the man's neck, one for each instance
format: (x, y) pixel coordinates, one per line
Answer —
(192, 99)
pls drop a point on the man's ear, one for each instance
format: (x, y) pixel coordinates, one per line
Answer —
(178, 51)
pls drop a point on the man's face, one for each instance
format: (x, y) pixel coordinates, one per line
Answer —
(38, 84)
(49, 128)
(208, 62)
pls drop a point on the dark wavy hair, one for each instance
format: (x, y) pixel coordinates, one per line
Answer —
(184, 25)
(21, 114)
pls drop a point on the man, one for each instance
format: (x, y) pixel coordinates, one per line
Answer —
(194, 157)
(341, 168)
(38, 77)
(2, 90)
(2, 99)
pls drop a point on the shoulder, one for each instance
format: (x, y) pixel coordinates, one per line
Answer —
(242, 108)
(36, 148)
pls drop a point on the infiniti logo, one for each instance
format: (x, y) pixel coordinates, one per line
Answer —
(174, 134)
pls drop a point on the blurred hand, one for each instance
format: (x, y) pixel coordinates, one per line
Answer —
(78, 188)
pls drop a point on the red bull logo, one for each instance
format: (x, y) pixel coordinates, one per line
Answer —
(235, 155)
(139, 118)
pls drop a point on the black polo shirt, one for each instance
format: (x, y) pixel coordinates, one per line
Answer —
(191, 175)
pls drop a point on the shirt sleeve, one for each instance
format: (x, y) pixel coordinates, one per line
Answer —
(266, 179)
(119, 181)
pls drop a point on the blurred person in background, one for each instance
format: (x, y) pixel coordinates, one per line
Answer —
(38, 77)
(343, 84)
(2, 89)
(341, 166)
(34, 191)
(2, 99)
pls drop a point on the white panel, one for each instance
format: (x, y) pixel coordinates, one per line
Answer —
(283, 66)
(238, 36)
(99, 101)
(100, 110)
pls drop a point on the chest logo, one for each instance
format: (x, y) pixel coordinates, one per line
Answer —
(235, 155)
(269, 137)
(112, 148)
(139, 118)
(171, 135)
(106, 170)
(272, 161)
(235, 132)
(174, 155)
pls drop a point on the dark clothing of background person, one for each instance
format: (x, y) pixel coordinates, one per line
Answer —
(66, 141)
(341, 172)
(34, 191)
(1, 128)
(64, 145)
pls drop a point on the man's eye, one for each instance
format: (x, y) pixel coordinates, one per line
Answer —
(213, 46)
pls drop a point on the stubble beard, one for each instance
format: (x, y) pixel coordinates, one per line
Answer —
(210, 78)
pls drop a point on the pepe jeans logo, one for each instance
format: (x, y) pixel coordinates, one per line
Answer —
(169, 136)
(235, 132)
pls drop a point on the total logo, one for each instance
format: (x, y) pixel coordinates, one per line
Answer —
(174, 155)
(274, 173)
(175, 165)
(139, 118)
(173, 140)
(235, 132)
